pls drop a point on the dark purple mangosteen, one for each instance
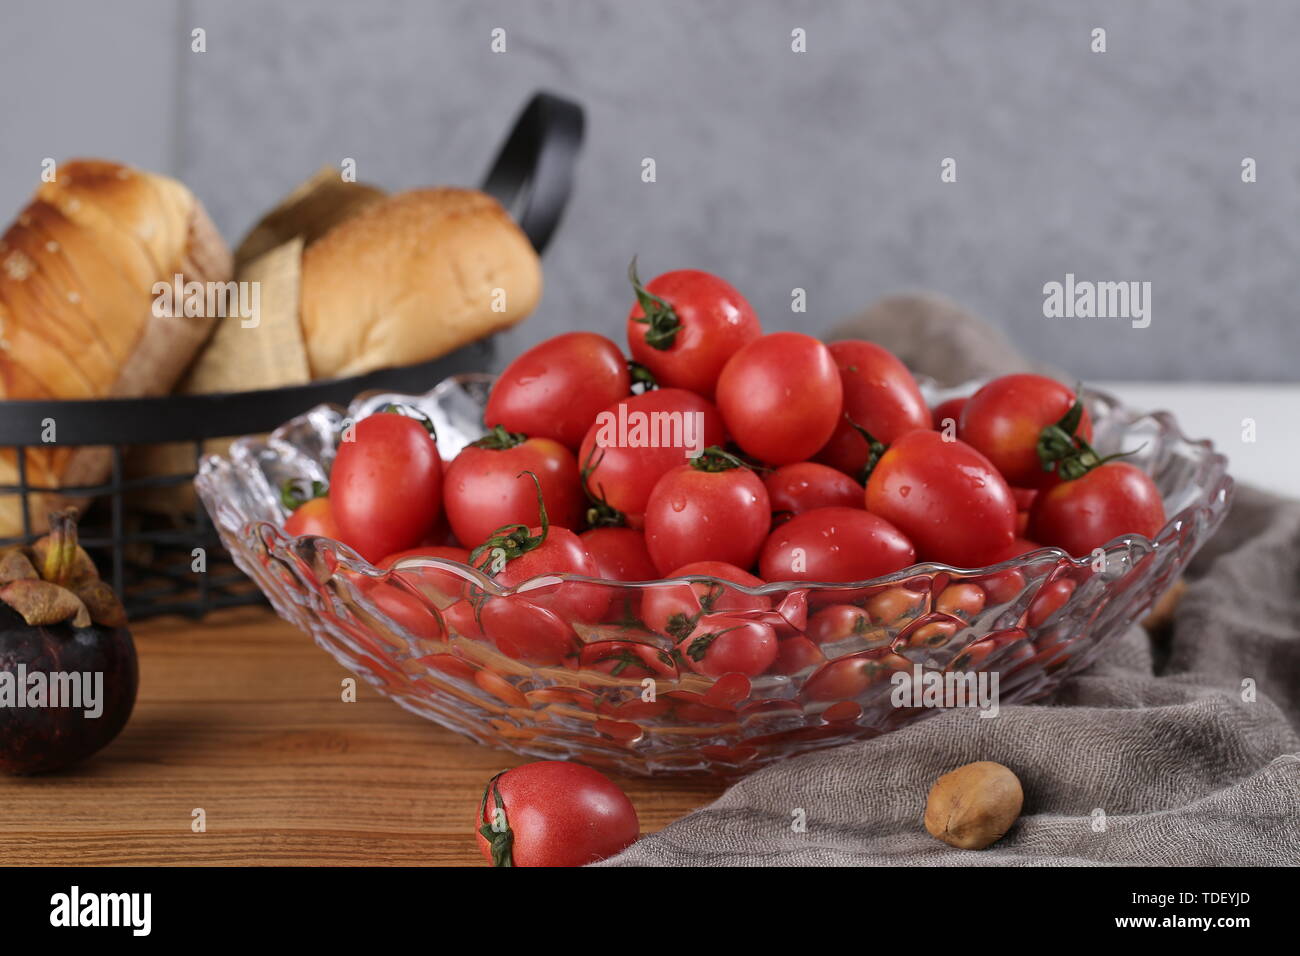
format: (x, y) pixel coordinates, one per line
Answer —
(68, 673)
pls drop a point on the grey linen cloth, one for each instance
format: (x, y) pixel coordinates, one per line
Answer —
(1151, 756)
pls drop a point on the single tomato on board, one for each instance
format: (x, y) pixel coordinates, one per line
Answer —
(553, 813)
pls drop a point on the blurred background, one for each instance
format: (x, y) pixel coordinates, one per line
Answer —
(775, 169)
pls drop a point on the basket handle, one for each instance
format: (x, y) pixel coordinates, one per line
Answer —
(532, 174)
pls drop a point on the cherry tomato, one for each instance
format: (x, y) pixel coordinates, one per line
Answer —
(443, 582)
(781, 397)
(500, 688)
(792, 609)
(619, 554)
(487, 487)
(519, 556)
(555, 389)
(803, 486)
(441, 535)
(1111, 500)
(403, 607)
(1025, 497)
(674, 609)
(628, 659)
(450, 665)
(553, 813)
(386, 485)
(697, 513)
(1011, 645)
(848, 677)
(725, 645)
(685, 325)
(1051, 597)
(834, 545)
(1005, 586)
(462, 620)
(313, 517)
(839, 622)
(637, 439)
(1016, 548)
(880, 396)
(946, 497)
(947, 414)
(526, 632)
(962, 599)
(1005, 419)
(930, 631)
(795, 655)
(893, 605)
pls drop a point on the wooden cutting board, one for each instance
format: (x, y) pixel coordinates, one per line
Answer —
(240, 715)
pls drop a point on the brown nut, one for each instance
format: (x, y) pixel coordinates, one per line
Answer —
(973, 806)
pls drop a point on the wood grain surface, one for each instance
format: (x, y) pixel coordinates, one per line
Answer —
(241, 715)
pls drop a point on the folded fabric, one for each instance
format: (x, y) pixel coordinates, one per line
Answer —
(1181, 750)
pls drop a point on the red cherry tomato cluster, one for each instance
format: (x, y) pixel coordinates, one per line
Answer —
(1036, 433)
(724, 452)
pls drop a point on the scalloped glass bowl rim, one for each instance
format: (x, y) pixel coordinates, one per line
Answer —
(1123, 544)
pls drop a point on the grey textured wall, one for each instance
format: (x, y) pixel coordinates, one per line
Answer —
(775, 169)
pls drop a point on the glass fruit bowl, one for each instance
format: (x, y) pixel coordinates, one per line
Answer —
(605, 687)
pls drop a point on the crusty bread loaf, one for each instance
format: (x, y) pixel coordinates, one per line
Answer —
(77, 271)
(412, 277)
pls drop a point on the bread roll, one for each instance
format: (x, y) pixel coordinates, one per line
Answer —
(412, 277)
(77, 271)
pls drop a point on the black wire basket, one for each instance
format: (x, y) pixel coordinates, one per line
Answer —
(175, 564)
